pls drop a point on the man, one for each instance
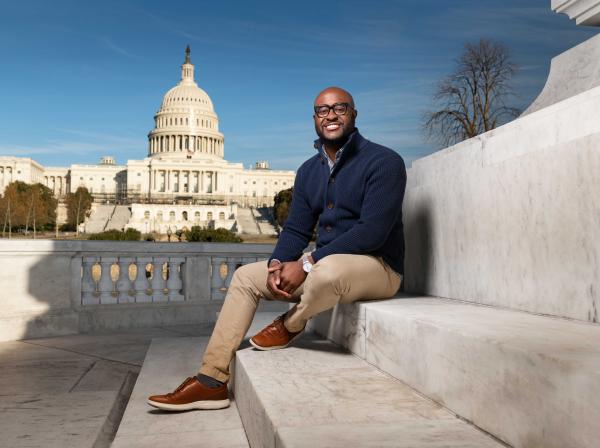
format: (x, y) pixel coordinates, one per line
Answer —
(353, 189)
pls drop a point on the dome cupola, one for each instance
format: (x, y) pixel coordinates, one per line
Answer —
(186, 125)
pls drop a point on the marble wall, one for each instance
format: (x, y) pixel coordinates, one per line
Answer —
(43, 291)
(512, 218)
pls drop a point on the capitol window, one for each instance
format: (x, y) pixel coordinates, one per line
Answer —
(222, 215)
(209, 216)
(146, 214)
(172, 216)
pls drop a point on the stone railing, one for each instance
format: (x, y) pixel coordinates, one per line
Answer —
(130, 277)
(60, 287)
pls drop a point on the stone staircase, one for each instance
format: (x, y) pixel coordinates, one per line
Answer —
(119, 218)
(408, 372)
(98, 218)
(246, 222)
(527, 379)
(263, 220)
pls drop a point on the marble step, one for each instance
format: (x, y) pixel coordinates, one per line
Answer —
(529, 380)
(315, 394)
(168, 362)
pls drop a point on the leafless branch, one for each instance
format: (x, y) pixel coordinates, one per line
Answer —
(472, 100)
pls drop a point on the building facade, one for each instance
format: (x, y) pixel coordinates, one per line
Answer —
(184, 164)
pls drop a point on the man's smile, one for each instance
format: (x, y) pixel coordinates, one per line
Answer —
(332, 126)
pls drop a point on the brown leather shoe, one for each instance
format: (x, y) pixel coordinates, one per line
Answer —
(274, 336)
(191, 394)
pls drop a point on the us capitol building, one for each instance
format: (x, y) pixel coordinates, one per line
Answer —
(183, 181)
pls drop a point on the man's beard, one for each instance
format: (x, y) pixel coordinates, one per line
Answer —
(336, 141)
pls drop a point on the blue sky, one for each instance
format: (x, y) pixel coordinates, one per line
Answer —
(83, 79)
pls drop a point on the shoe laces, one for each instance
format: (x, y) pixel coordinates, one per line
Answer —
(276, 327)
(181, 386)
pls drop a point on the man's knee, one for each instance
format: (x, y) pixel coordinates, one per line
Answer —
(249, 273)
(325, 272)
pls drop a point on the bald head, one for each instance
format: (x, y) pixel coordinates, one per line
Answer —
(343, 96)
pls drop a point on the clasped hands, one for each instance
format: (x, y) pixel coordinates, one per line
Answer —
(284, 278)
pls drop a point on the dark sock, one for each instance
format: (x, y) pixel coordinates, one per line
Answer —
(208, 381)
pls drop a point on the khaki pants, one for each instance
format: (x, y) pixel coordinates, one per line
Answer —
(338, 278)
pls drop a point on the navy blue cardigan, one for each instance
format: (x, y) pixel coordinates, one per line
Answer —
(358, 206)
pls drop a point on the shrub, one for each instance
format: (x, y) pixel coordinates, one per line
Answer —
(117, 235)
(197, 234)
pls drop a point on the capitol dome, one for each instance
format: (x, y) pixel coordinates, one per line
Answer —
(186, 125)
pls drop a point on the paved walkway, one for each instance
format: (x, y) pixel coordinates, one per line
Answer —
(71, 391)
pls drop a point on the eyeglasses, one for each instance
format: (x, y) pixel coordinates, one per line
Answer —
(322, 110)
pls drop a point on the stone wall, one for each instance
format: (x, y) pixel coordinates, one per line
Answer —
(512, 218)
(46, 287)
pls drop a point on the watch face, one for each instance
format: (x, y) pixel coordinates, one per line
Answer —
(306, 267)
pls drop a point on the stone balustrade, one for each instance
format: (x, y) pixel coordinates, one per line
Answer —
(62, 287)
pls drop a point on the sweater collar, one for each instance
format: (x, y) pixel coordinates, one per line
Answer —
(354, 141)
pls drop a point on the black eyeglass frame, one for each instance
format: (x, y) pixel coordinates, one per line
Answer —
(332, 107)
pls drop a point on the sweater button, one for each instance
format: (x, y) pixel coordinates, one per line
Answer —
(328, 228)
(331, 180)
(330, 205)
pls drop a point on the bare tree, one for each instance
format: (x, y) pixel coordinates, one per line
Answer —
(472, 100)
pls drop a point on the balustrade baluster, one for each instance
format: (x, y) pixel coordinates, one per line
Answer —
(88, 285)
(175, 279)
(217, 284)
(159, 290)
(106, 284)
(125, 286)
(143, 292)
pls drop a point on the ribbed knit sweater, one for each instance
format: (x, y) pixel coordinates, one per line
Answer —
(358, 205)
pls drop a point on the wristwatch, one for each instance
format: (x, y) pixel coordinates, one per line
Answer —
(306, 264)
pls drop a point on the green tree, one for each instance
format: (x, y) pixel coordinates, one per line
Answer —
(28, 206)
(282, 204)
(78, 204)
(198, 234)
